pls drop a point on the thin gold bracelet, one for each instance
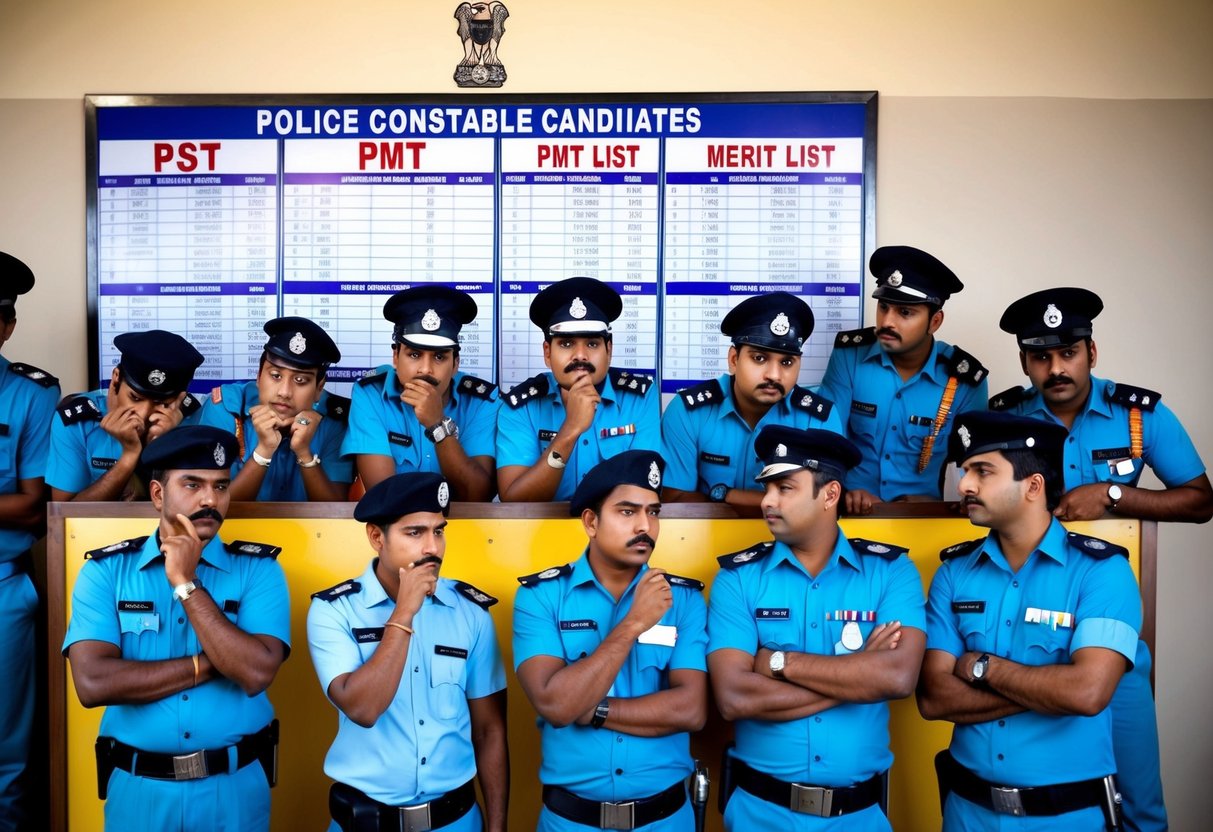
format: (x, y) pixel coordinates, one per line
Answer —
(398, 626)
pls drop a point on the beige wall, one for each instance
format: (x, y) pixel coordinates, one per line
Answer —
(1027, 144)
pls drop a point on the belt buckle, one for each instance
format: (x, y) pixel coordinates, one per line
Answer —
(811, 800)
(190, 766)
(617, 815)
(415, 818)
(1006, 801)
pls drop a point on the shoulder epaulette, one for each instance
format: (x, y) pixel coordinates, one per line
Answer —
(189, 404)
(625, 381)
(132, 545)
(689, 583)
(337, 408)
(477, 387)
(856, 337)
(477, 597)
(1011, 398)
(706, 392)
(1128, 396)
(334, 592)
(872, 547)
(966, 368)
(812, 403)
(78, 408)
(1094, 546)
(959, 549)
(31, 372)
(257, 550)
(532, 388)
(545, 575)
(371, 377)
(753, 553)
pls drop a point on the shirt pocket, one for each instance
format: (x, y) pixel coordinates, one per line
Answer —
(1044, 645)
(777, 634)
(448, 679)
(862, 419)
(1116, 465)
(139, 634)
(577, 644)
(973, 628)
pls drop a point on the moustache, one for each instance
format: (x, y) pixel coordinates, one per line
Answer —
(890, 333)
(206, 514)
(427, 559)
(574, 366)
(970, 501)
(773, 385)
(1053, 381)
(433, 382)
(642, 538)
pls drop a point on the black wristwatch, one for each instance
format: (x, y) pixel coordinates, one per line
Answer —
(600, 713)
(442, 430)
(981, 669)
(718, 493)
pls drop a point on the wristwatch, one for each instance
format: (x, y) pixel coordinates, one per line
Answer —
(182, 592)
(718, 493)
(981, 667)
(601, 712)
(555, 460)
(778, 659)
(442, 430)
(1115, 493)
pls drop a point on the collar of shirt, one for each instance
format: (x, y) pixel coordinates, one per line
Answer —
(583, 574)
(373, 594)
(935, 367)
(213, 553)
(843, 552)
(1053, 545)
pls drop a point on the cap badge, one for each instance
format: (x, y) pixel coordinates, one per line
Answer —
(577, 309)
(894, 279)
(654, 475)
(444, 494)
(1052, 317)
(781, 450)
(298, 344)
(430, 320)
(1030, 441)
(156, 378)
(965, 438)
(780, 326)
(220, 454)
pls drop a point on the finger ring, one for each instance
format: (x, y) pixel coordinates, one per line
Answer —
(303, 420)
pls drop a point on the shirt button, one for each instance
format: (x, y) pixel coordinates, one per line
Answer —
(898, 396)
(1015, 584)
(817, 758)
(894, 428)
(421, 722)
(618, 739)
(1000, 756)
(817, 719)
(814, 625)
(186, 735)
(619, 771)
(1008, 622)
(583, 654)
(886, 456)
(1072, 467)
(416, 669)
(180, 620)
(1002, 723)
(585, 441)
(816, 585)
(185, 697)
(423, 760)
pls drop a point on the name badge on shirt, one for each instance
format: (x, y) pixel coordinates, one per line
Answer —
(714, 459)
(579, 624)
(455, 652)
(399, 439)
(103, 463)
(546, 435)
(664, 634)
(367, 635)
(136, 606)
(1049, 618)
(968, 606)
(863, 408)
(772, 613)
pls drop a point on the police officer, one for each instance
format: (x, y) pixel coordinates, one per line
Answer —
(412, 664)
(708, 430)
(1115, 431)
(421, 413)
(809, 635)
(288, 428)
(898, 386)
(27, 400)
(610, 652)
(558, 425)
(179, 635)
(98, 436)
(1028, 632)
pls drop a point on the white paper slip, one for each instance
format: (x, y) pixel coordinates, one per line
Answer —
(663, 634)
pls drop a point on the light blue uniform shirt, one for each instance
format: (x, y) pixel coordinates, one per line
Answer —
(420, 748)
(763, 597)
(27, 402)
(81, 451)
(706, 442)
(628, 417)
(567, 616)
(380, 423)
(890, 419)
(977, 604)
(1098, 448)
(283, 480)
(123, 598)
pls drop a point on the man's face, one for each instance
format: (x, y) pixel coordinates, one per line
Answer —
(411, 538)
(572, 356)
(989, 493)
(437, 367)
(122, 395)
(902, 328)
(793, 513)
(625, 532)
(200, 494)
(1063, 374)
(762, 378)
(287, 390)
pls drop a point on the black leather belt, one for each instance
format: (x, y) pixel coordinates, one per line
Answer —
(194, 766)
(629, 814)
(1021, 802)
(355, 811)
(822, 801)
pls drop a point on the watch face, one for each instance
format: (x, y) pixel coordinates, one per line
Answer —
(1115, 493)
(979, 668)
(777, 659)
(718, 493)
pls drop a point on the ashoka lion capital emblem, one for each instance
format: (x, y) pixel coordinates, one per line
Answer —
(481, 26)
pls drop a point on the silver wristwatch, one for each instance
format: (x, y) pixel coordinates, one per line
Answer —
(442, 430)
(778, 659)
